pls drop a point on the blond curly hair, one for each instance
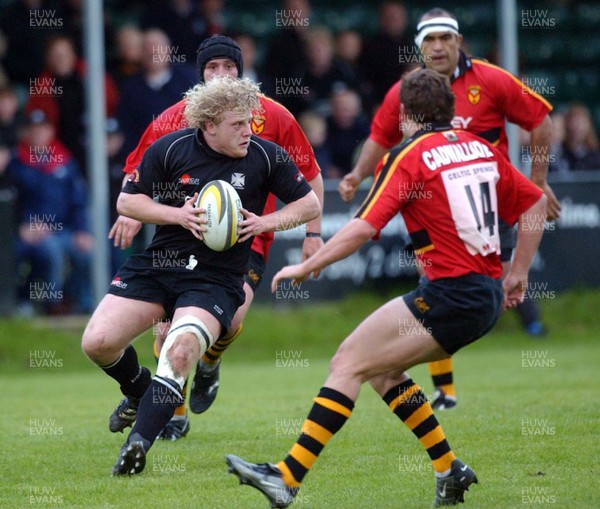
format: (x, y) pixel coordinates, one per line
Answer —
(210, 100)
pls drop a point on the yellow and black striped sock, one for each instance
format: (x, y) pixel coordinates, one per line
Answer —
(408, 402)
(442, 376)
(213, 354)
(330, 411)
(180, 410)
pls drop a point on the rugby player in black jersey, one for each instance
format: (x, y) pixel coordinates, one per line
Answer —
(202, 288)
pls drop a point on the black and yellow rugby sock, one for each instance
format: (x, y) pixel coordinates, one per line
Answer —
(442, 375)
(330, 411)
(213, 354)
(410, 404)
(180, 410)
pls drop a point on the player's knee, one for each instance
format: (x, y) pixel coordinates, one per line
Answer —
(184, 352)
(187, 340)
(339, 361)
(95, 344)
(344, 363)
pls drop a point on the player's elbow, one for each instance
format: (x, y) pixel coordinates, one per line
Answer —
(537, 212)
(124, 204)
(312, 207)
(542, 203)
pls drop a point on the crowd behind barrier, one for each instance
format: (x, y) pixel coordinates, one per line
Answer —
(330, 66)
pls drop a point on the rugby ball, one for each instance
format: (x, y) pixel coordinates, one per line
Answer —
(222, 204)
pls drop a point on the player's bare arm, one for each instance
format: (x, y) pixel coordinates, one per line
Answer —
(291, 215)
(370, 154)
(313, 242)
(530, 230)
(145, 209)
(540, 146)
(124, 228)
(345, 242)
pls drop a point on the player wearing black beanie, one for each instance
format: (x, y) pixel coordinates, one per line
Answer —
(219, 46)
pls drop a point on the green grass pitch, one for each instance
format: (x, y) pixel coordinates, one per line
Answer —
(527, 421)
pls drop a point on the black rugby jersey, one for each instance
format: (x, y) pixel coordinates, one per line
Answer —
(179, 164)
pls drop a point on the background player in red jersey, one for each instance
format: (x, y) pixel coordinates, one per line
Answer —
(455, 232)
(218, 56)
(486, 97)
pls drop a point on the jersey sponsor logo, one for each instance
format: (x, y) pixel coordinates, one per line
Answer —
(118, 283)
(134, 176)
(186, 180)
(258, 124)
(459, 122)
(474, 94)
(238, 180)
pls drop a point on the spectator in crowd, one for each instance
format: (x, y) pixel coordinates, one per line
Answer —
(162, 82)
(285, 56)
(4, 79)
(186, 22)
(53, 235)
(249, 53)
(214, 17)
(5, 157)
(9, 118)
(324, 74)
(116, 160)
(347, 128)
(557, 162)
(71, 16)
(381, 60)
(22, 24)
(59, 91)
(580, 150)
(314, 126)
(348, 45)
(129, 50)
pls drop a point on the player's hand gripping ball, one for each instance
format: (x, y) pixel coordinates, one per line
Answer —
(222, 204)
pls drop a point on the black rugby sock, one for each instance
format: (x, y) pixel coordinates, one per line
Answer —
(133, 379)
(156, 408)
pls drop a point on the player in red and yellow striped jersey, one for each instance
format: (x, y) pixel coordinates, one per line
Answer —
(486, 97)
(465, 185)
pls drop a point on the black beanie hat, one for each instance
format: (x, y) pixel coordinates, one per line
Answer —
(219, 46)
